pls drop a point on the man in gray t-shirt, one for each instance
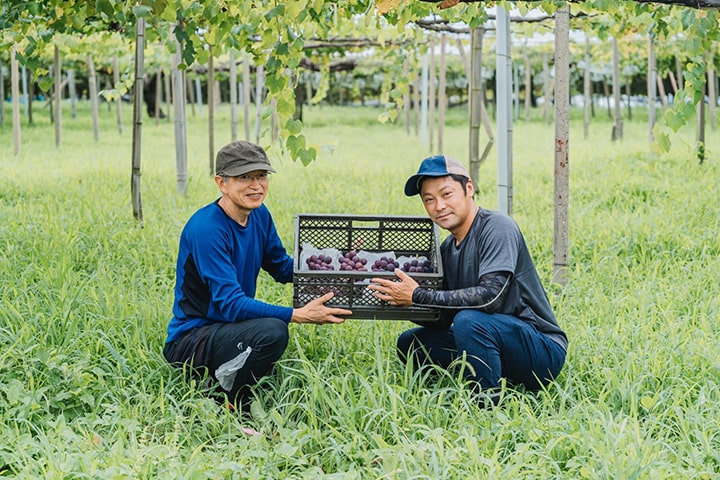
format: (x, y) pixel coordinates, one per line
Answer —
(494, 311)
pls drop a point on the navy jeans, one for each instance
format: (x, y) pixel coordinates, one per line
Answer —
(494, 346)
(235, 355)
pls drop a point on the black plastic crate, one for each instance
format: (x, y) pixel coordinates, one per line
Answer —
(405, 236)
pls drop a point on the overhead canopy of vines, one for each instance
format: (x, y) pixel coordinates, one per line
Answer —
(284, 36)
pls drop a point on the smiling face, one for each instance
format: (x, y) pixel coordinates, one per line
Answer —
(242, 193)
(449, 205)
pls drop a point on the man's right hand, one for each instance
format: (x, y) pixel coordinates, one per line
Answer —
(316, 312)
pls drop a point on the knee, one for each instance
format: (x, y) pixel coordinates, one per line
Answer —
(275, 334)
(405, 342)
(466, 319)
(471, 323)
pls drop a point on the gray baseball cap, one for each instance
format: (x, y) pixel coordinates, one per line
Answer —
(241, 157)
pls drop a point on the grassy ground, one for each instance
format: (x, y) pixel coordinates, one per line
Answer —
(86, 293)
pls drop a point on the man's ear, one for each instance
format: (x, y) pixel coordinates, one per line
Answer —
(470, 188)
(220, 182)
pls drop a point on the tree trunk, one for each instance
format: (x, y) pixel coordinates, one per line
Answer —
(118, 100)
(587, 94)
(652, 74)
(466, 63)
(441, 94)
(627, 93)
(606, 91)
(198, 95)
(679, 69)
(516, 92)
(673, 82)
(72, 92)
(137, 119)
(546, 89)
(475, 81)
(168, 96)
(424, 100)
(108, 86)
(178, 96)
(190, 93)
(92, 87)
(158, 95)
(617, 131)
(711, 89)
(259, 87)
(406, 97)
(246, 97)
(233, 99)
(503, 105)
(58, 96)
(274, 122)
(562, 146)
(661, 90)
(211, 110)
(431, 94)
(2, 96)
(26, 97)
(701, 126)
(308, 90)
(416, 103)
(528, 87)
(15, 92)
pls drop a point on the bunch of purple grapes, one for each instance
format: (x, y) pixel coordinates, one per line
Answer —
(319, 262)
(351, 261)
(385, 264)
(417, 266)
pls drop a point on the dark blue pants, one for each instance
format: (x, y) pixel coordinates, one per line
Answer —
(235, 355)
(495, 346)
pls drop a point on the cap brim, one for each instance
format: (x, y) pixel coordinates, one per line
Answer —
(234, 171)
(411, 186)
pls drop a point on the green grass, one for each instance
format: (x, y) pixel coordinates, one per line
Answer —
(86, 293)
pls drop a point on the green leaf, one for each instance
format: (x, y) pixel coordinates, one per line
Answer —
(278, 11)
(275, 83)
(282, 48)
(210, 37)
(104, 7)
(687, 17)
(293, 126)
(674, 119)
(285, 106)
(45, 84)
(295, 143)
(142, 11)
(188, 53)
(307, 155)
(662, 140)
(268, 38)
(170, 14)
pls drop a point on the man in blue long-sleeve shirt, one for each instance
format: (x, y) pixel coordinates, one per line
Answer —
(218, 327)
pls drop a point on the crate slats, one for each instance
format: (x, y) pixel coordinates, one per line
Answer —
(408, 236)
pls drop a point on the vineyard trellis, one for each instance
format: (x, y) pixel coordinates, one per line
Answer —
(270, 37)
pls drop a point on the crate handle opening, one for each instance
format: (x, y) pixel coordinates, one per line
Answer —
(366, 223)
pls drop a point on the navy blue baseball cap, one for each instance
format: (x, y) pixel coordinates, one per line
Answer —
(436, 166)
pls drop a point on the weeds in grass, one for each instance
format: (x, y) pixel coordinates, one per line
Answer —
(85, 296)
